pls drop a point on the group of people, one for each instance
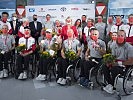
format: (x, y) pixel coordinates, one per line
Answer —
(89, 40)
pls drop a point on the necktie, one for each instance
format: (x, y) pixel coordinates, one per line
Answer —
(26, 43)
(14, 25)
(129, 30)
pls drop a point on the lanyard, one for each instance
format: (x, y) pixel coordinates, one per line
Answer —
(4, 40)
(70, 44)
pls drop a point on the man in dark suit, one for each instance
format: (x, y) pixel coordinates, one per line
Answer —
(15, 25)
(36, 27)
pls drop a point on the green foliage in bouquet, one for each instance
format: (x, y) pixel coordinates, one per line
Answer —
(71, 55)
(21, 47)
(44, 54)
(108, 58)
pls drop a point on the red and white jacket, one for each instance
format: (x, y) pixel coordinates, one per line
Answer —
(116, 27)
(21, 31)
(128, 28)
(30, 45)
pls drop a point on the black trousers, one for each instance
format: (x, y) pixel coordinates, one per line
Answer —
(63, 65)
(111, 73)
(4, 58)
(43, 64)
(87, 65)
(22, 60)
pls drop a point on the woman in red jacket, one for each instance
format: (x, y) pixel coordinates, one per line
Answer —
(67, 27)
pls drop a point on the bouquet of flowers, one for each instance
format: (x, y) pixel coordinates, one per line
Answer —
(108, 59)
(21, 47)
(45, 54)
(71, 55)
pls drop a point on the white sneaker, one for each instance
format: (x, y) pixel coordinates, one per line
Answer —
(43, 77)
(5, 73)
(109, 89)
(59, 80)
(63, 82)
(1, 74)
(25, 75)
(39, 77)
(21, 76)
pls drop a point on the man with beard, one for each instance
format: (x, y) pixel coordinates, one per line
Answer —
(123, 53)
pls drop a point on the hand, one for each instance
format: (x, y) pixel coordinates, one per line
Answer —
(87, 58)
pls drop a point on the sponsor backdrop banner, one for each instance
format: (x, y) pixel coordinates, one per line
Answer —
(61, 12)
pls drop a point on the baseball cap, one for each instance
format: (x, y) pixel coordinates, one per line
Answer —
(49, 30)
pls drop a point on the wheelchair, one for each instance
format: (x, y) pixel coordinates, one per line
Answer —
(11, 63)
(73, 72)
(51, 69)
(31, 71)
(96, 75)
(126, 80)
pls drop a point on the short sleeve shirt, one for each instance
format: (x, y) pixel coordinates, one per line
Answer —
(75, 45)
(122, 52)
(6, 42)
(93, 51)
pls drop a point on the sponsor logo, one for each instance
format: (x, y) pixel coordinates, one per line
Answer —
(41, 10)
(52, 9)
(31, 9)
(86, 9)
(63, 9)
(74, 8)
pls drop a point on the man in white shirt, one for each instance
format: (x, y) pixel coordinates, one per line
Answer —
(4, 20)
(129, 29)
(118, 25)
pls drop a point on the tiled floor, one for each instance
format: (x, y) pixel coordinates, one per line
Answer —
(12, 89)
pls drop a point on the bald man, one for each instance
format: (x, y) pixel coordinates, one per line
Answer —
(93, 56)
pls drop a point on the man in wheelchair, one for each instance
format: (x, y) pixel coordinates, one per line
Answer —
(7, 44)
(23, 56)
(70, 44)
(123, 53)
(93, 56)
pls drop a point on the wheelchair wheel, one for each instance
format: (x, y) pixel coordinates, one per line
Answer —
(128, 82)
(100, 76)
(77, 70)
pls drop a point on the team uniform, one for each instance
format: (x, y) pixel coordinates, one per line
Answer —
(6, 43)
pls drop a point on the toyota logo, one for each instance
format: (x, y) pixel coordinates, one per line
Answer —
(63, 9)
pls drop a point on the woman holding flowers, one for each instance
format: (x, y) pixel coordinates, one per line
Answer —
(71, 50)
(7, 44)
(25, 48)
(123, 53)
(93, 56)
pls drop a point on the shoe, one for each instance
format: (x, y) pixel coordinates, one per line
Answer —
(25, 75)
(43, 77)
(1, 74)
(82, 80)
(86, 83)
(5, 73)
(39, 77)
(63, 82)
(109, 89)
(59, 80)
(21, 76)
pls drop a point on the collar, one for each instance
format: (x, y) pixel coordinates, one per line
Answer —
(27, 37)
(119, 24)
(129, 24)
